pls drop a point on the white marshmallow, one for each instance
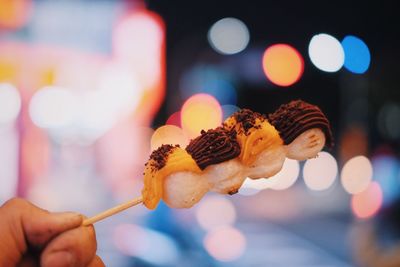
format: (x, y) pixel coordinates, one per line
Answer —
(307, 145)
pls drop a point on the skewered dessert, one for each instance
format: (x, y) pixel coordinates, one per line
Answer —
(172, 164)
(216, 152)
(208, 157)
(304, 129)
(248, 144)
(262, 152)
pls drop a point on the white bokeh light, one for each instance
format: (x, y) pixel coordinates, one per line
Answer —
(356, 174)
(117, 95)
(319, 173)
(215, 211)
(120, 89)
(229, 36)
(10, 103)
(96, 116)
(53, 107)
(326, 52)
(252, 186)
(225, 243)
(286, 177)
(83, 116)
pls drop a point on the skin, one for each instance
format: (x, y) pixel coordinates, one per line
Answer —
(30, 237)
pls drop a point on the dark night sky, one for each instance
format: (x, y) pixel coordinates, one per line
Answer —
(293, 22)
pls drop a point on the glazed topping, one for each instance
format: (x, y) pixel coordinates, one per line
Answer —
(296, 117)
(214, 146)
(158, 157)
(247, 120)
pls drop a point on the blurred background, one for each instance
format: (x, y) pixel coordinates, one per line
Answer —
(89, 88)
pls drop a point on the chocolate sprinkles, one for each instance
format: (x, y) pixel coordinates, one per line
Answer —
(296, 117)
(246, 118)
(214, 146)
(158, 157)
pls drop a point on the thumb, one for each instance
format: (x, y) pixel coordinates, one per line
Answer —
(39, 226)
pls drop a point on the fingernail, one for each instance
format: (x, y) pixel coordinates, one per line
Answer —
(69, 217)
(59, 259)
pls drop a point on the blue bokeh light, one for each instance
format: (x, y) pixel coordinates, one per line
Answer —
(387, 173)
(210, 80)
(221, 89)
(357, 55)
(228, 110)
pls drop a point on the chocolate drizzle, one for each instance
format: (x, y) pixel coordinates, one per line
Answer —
(159, 156)
(247, 120)
(214, 146)
(296, 117)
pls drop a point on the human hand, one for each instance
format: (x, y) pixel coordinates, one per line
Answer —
(30, 237)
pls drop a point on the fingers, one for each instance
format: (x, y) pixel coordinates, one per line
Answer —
(64, 243)
(41, 226)
(38, 226)
(75, 247)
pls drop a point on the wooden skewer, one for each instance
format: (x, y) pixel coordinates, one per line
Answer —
(112, 211)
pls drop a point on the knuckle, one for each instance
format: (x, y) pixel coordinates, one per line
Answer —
(16, 202)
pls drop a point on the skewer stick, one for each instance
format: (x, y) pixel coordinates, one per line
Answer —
(112, 211)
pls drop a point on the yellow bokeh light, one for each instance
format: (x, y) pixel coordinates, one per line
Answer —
(356, 174)
(168, 134)
(200, 112)
(282, 64)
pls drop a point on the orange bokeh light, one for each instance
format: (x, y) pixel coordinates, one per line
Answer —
(283, 65)
(200, 112)
(367, 203)
(14, 13)
(168, 134)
